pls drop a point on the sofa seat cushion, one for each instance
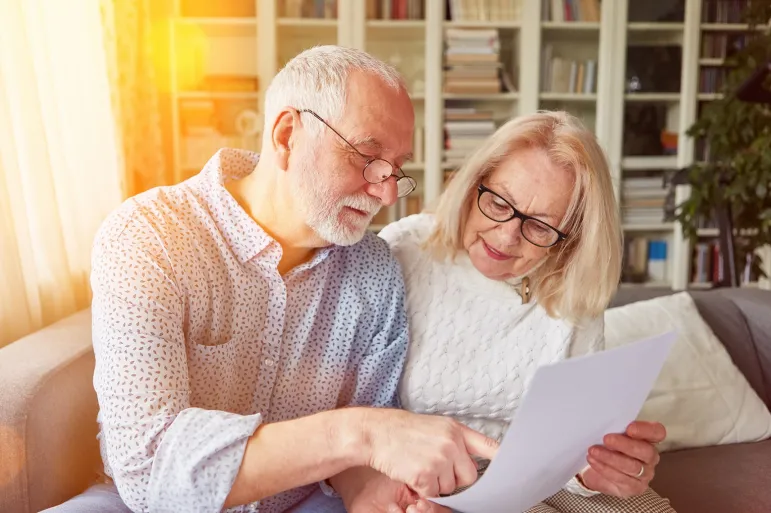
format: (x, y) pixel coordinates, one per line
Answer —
(723, 479)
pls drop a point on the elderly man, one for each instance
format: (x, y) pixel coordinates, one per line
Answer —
(246, 324)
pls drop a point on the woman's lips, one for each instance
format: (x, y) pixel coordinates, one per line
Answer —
(494, 254)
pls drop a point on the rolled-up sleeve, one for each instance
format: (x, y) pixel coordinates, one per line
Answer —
(162, 454)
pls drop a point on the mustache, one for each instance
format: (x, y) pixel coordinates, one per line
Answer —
(364, 203)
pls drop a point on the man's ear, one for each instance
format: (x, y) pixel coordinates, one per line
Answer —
(284, 136)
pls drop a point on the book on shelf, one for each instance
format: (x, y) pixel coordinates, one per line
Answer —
(570, 10)
(711, 80)
(723, 46)
(319, 9)
(723, 11)
(465, 129)
(707, 263)
(472, 61)
(561, 75)
(645, 259)
(396, 9)
(483, 10)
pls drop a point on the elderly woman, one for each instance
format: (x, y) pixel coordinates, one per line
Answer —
(513, 271)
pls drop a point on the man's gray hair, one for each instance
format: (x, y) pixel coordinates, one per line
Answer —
(316, 79)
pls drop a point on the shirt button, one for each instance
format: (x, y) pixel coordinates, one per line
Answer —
(269, 362)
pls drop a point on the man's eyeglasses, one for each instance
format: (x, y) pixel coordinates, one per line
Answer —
(376, 170)
(533, 230)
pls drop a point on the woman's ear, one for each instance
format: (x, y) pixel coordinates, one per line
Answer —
(284, 135)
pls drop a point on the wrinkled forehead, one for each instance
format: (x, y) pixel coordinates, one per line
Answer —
(379, 112)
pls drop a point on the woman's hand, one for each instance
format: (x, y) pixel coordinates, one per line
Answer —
(626, 463)
(365, 490)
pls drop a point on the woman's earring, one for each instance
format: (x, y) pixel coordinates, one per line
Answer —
(525, 290)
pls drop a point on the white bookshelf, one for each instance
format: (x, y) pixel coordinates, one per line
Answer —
(260, 45)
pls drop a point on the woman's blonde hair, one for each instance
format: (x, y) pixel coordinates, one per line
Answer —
(580, 274)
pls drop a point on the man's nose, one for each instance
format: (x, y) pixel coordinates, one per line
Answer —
(386, 191)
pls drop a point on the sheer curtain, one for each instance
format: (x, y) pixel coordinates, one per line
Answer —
(61, 164)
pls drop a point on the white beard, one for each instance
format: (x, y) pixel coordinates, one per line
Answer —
(324, 213)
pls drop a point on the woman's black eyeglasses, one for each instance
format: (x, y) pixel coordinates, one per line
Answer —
(376, 170)
(535, 231)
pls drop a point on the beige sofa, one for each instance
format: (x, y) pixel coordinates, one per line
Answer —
(49, 451)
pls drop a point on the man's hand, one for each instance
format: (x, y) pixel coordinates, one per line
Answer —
(626, 463)
(430, 454)
(365, 490)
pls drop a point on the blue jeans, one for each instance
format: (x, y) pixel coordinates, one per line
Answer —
(104, 498)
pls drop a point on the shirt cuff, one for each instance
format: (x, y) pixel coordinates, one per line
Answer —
(328, 490)
(575, 486)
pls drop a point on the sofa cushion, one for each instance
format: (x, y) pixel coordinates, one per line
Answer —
(700, 395)
(725, 479)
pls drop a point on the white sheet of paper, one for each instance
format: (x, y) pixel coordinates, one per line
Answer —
(569, 407)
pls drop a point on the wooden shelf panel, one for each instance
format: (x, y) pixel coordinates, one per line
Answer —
(502, 24)
(652, 97)
(728, 27)
(308, 22)
(711, 61)
(500, 97)
(657, 27)
(568, 97)
(396, 24)
(649, 227)
(708, 97)
(645, 163)
(570, 26)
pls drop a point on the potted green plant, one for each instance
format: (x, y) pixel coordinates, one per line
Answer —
(736, 168)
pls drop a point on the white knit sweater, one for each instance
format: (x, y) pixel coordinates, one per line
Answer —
(474, 347)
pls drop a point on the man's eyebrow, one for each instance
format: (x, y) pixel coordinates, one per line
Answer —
(367, 141)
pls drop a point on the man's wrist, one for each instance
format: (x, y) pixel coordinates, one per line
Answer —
(351, 435)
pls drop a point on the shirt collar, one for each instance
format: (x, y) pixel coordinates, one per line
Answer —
(245, 237)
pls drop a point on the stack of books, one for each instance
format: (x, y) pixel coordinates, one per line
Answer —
(643, 200)
(560, 75)
(465, 129)
(472, 61)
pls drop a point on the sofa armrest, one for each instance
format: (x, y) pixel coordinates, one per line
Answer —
(755, 305)
(48, 412)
